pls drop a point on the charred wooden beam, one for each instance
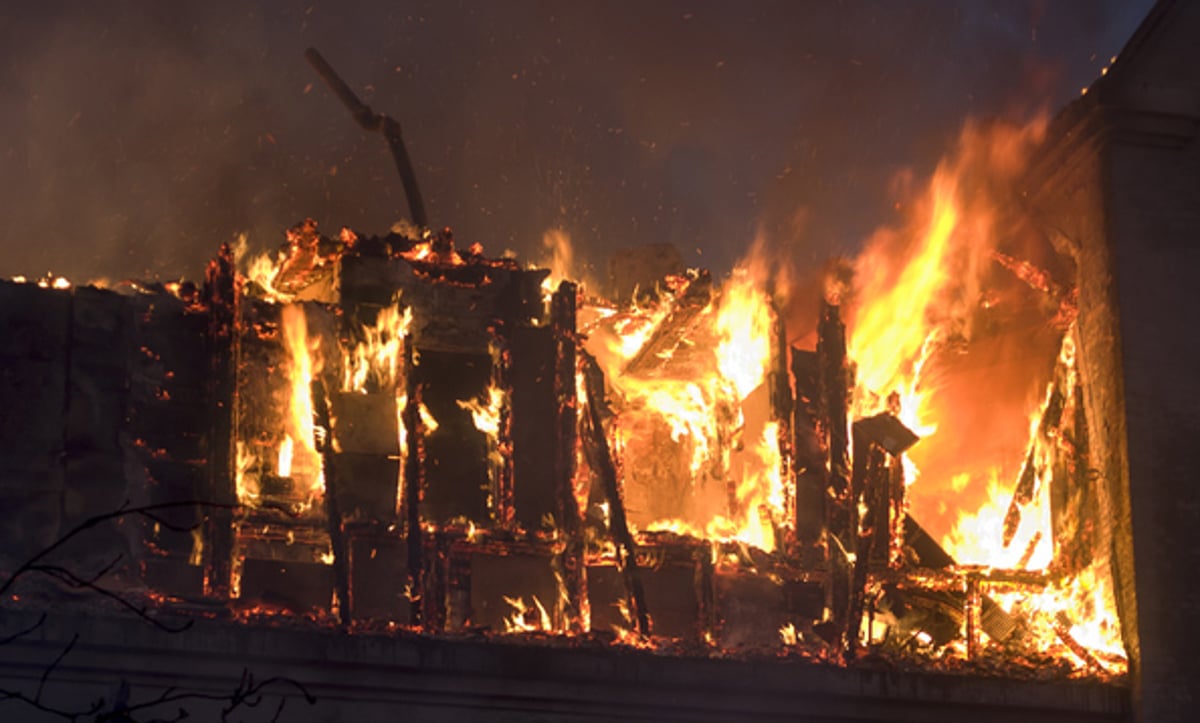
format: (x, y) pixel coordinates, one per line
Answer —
(413, 485)
(883, 494)
(841, 520)
(994, 620)
(1073, 506)
(221, 295)
(372, 121)
(323, 441)
(532, 357)
(563, 324)
(1027, 481)
(601, 460)
(834, 381)
(809, 454)
(502, 464)
(782, 402)
(869, 483)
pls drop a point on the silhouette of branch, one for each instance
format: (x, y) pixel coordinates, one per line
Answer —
(50, 668)
(148, 511)
(22, 633)
(247, 694)
(73, 580)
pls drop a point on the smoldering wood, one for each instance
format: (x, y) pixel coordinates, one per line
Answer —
(809, 454)
(835, 386)
(841, 520)
(566, 404)
(413, 486)
(782, 402)
(221, 296)
(926, 551)
(533, 357)
(869, 484)
(438, 579)
(1027, 480)
(881, 490)
(1073, 503)
(601, 460)
(378, 564)
(323, 431)
(500, 445)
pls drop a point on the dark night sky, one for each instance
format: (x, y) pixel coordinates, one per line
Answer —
(136, 136)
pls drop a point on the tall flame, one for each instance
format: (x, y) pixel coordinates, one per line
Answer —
(919, 292)
(304, 362)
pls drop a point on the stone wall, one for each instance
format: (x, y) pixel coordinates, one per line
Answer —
(1118, 190)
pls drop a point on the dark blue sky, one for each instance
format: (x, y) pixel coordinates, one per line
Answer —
(136, 136)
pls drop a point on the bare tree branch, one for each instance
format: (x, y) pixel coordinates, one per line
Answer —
(22, 633)
(73, 580)
(145, 510)
(247, 694)
(50, 668)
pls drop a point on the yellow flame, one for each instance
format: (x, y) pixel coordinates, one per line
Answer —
(522, 621)
(559, 257)
(787, 634)
(305, 462)
(427, 420)
(377, 356)
(486, 415)
(263, 270)
(706, 408)
(284, 466)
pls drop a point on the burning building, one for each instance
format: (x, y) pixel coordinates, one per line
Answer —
(392, 473)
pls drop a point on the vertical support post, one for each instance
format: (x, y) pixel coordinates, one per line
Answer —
(221, 294)
(562, 322)
(869, 482)
(333, 509)
(973, 611)
(810, 458)
(411, 418)
(600, 458)
(782, 402)
(841, 522)
(505, 473)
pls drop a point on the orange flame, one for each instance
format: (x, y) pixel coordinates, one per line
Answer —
(706, 406)
(304, 462)
(918, 292)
